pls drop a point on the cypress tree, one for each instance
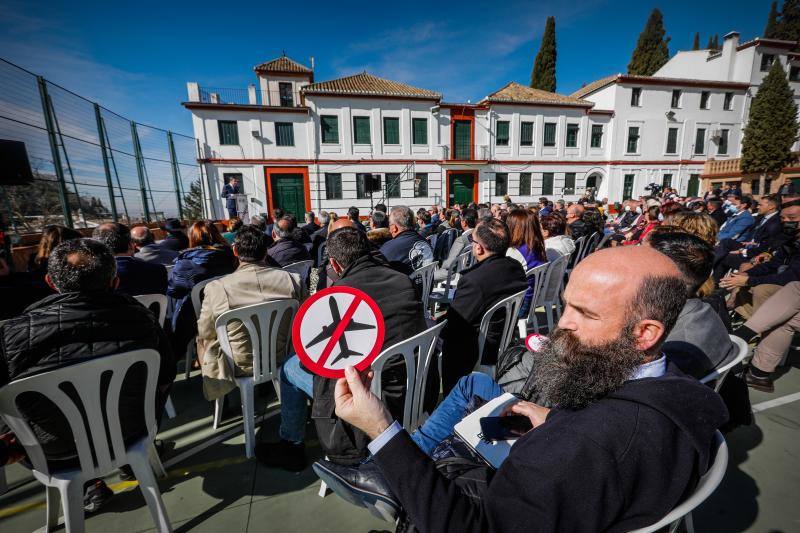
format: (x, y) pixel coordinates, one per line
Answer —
(696, 43)
(715, 46)
(652, 49)
(789, 25)
(710, 45)
(771, 29)
(193, 202)
(772, 127)
(543, 75)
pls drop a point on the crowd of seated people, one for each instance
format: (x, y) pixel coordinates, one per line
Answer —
(656, 311)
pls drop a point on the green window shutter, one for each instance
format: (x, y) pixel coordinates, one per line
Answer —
(549, 134)
(672, 140)
(392, 185)
(361, 134)
(526, 134)
(330, 129)
(667, 180)
(694, 185)
(569, 183)
(633, 139)
(420, 185)
(597, 136)
(228, 132)
(547, 183)
(627, 187)
(500, 184)
(700, 141)
(525, 184)
(502, 133)
(722, 148)
(755, 186)
(463, 139)
(284, 134)
(572, 136)
(361, 184)
(676, 98)
(419, 131)
(333, 186)
(391, 130)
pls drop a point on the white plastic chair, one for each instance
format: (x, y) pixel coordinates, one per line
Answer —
(158, 304)
(99, 442)
(538, 273)
(511, 306)
(425, 275)
(197, 303)
(549, 295)
(445, 292)
(587, 246)
(705, 487)
(302, 269)
(575, 256)
(719, 374)
(264, 341)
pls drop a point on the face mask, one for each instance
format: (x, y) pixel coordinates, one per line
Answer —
(638, 210)
(790, 228)
(660, 217)
(730, 209)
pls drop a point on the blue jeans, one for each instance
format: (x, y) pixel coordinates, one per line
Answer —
(297, 386)
(453, 408)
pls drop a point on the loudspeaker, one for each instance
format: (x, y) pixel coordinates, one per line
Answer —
(15, 169)
(374, 183)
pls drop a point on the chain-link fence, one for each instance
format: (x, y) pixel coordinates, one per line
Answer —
(89, 164)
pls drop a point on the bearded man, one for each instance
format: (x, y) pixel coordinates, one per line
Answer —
(619, 436)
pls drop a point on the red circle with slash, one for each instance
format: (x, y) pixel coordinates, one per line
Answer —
(322, 325)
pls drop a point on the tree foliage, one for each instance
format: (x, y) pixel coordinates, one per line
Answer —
(543, 75)
(652, 48)
(788, 27)
(771, 29)
(193, 202)
(696, 42)
(772, 128)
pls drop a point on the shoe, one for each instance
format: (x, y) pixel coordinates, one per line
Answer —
(762, 384)
(282, 454)
(96, 496)
(362, 485)
(126, 473)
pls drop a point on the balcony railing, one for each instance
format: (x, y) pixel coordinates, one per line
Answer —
(249, 96)
(733, 166)
(476, 152)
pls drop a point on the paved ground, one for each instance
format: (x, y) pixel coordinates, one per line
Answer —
(217, 489)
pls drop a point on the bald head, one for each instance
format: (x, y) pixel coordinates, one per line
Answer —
(341, 223)
(142, 236)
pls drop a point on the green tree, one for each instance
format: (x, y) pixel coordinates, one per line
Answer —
(789, 24)
(652, 49)
(193, 202)
(696, 43)
(543, 75)
(772, 128)
(771, 29)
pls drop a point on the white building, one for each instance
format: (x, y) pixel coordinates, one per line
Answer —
(305, 145)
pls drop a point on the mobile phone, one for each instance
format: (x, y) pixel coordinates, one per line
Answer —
(505, 427)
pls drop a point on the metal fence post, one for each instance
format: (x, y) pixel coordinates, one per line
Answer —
(175, 173)
(138, 154)
(51, 136)
(106, 167)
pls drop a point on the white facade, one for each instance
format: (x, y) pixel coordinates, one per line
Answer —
(691, 110)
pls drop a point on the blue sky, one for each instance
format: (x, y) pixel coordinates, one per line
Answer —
(136, 57)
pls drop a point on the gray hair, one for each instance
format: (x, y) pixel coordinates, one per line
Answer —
(258, 221)
(402, 216)
(484, 212)
(310, 216)
(324, 218)
(284, 228)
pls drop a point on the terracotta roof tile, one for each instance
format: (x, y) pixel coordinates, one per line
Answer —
(368, 85)
(282, 64)
(516, 93)
(595, 85)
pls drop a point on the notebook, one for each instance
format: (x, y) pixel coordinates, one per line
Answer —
(469, 430)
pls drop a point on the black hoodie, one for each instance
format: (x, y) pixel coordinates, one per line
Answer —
(620, 464)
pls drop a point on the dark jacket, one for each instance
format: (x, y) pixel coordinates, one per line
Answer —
(403, 318)
(767, 236)
(227, 193)
(719, 216)
(407, 251)
(479, 288)
(287, 251)
(157, 253)
(140, 277)
(783, 268)
(177, 241)
(620, 464)
(317, 239)
(579, 229)
(70, 328)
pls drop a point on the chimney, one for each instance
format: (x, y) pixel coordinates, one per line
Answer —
(729, 45)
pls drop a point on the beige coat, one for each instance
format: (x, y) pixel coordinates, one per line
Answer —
(250, 284)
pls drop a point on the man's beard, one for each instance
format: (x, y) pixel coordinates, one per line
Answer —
(571, 375)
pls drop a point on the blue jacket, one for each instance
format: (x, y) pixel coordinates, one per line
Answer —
(195, 265)
(140, 277)
(737, 227)
(227, 193)
(407, 252)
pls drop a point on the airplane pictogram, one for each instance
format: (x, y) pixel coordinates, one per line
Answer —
(328, 331)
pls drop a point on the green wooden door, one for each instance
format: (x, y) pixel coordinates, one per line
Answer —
(461, 188)
(627, 187)
(462, 139)
(694, 185)
(287, 193)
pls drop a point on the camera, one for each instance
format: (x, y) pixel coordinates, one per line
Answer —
(654, 188)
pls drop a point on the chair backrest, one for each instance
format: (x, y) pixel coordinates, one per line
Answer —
(721, 372)
(425, 276)
(465, 260)
(587, 246)
(538, 273)
(322, 254)
(551, 286)
(302, 268)
(197, 294)
(157, 303)
(603, 241)
(444, 243)
(93, 417)
(511, 306)
(417, 352)
(705, 487)
(262, 322)
(574, 257)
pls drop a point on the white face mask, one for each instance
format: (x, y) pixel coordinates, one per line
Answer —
(638, 210)
(660, 217)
